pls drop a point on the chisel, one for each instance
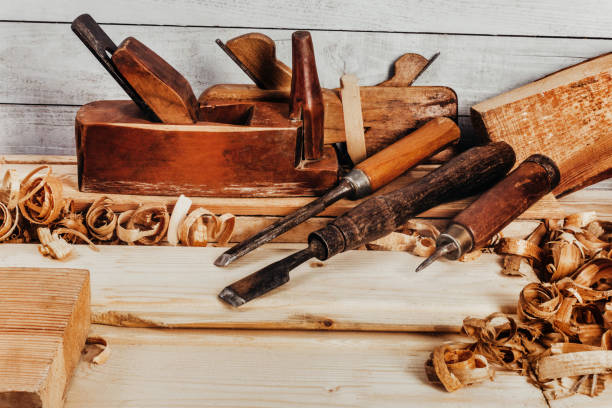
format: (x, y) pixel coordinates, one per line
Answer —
(367, 177)
(464, 175)
(491, 212)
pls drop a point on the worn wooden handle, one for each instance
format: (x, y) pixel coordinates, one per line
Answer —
(394, 160)
(162, 87)
(306, 96)
(496, 208)
(463, 175)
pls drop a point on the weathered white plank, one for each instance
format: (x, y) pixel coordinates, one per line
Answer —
(47, 64)
(519, 17)
(221, 368)
(357, 290)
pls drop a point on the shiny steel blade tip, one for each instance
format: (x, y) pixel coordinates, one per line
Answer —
(229, 296)
(224, 259)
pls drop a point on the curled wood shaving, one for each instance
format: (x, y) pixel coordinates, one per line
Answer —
(52, 245)
(147, 225)
(181, 208)
(40, 197)
(201, 226)
(100, 219)
(97, 350)
(563, 337)
(416, 237)
(455, 366)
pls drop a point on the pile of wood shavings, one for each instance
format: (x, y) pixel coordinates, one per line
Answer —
(562, 336)
(35, 210)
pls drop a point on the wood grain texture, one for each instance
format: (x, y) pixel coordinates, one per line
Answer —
(204, 368)
(405, 70)
(545, 208)
(44, 321)
(565, 115)
(353, 119)
(522, 17)
(357, 290)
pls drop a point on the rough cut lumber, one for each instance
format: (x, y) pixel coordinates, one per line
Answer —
(44, 321)
(545, 208)
(357, 290)
(205, 368)
(565, 115)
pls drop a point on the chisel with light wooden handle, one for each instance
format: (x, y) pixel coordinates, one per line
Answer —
(367, 177)
(490, 213)
(466, 174)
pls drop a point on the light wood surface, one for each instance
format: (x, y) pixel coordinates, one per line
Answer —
(356, 290)
(44, 320)
(546, 208)
(219, 368)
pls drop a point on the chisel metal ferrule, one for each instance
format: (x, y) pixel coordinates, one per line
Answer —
(360, 183)
(459, 237)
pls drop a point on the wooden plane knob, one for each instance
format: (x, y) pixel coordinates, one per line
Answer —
(162, 87)
(394, 160)
(508, 199)
(306, 95)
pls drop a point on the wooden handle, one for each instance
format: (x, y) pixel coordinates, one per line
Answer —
(406, 69)
(100, 45)
(496, 208)
(162, 87)
(306, 96)
(464, 175)
(394, 160)
(258, 54)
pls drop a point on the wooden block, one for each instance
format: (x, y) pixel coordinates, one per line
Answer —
(565, 115)
(353, 121)
(44, 321)
(205, 368)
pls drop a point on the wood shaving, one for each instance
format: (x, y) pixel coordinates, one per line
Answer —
(52, 245)
(100, 219)
(417, 237)
(40, 197)
(97, 350)
(181, 208)
(201, 226)
(562, 339)
(146, 225)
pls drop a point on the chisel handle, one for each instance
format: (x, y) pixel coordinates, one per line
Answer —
(496, 208)
(394, 160)
(464, 175)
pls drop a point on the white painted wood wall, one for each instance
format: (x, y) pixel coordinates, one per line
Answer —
(487, 47)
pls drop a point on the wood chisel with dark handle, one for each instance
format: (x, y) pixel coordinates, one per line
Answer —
(464, 175)
(491, 212)
(367, 177)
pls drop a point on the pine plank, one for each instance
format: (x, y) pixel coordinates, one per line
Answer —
(519, 17)
(359, 290)
(44, 321)
(204, 368)
(545, 208)
(476, 67)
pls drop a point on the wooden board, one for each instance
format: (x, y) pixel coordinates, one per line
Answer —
(356, 290)
(220, 368)
(44, 321)
(522, 17)
(565, 116)
(546, 208)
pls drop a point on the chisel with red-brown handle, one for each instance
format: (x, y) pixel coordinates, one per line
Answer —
(490, 213)
(367, 177)
(464, 175)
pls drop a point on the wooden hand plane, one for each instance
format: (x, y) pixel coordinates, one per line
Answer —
(243, 148)
(390, 109)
